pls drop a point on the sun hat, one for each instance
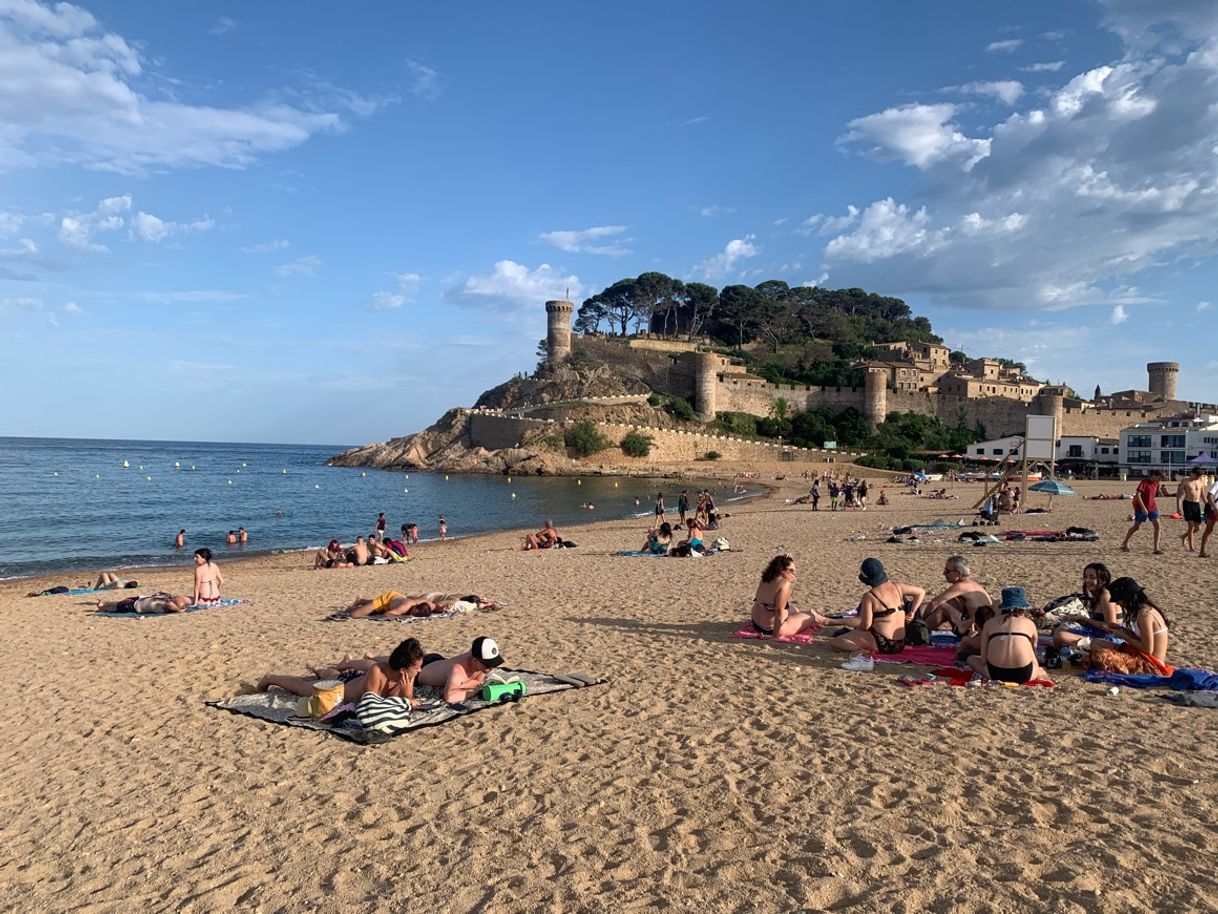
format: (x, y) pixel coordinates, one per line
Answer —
(486, 651)
(1014, 598)
(872, 572)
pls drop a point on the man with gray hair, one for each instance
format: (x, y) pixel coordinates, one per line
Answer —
(963, 597)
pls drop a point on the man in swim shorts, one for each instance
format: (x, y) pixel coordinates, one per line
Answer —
(464, 674)
(1145, 508)
(1190, 495)
(153, 604)
(960, 601)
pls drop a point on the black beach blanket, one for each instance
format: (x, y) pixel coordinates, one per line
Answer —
(198, 607)
(280, 707)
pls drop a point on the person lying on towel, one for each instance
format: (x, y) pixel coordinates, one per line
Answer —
(159, 602)
(391, 677)
(392, 604)
(463, 675)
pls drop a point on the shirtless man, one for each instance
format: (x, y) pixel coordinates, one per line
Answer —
(957, 604)
(392, 677)
(1211, 516)
(242, 536)
(1191, 492)
(545, 538)
(331, 556)
(151, 605)
(464, 674)
(358, 554)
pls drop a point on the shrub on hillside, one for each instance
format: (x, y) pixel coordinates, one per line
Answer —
(713, 455)
(584, 438)
(680, 408)
(654, 399)
(636, 444)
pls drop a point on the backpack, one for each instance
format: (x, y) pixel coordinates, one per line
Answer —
(917, 633)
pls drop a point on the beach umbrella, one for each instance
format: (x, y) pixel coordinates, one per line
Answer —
(1052, 487)
(1204, 459)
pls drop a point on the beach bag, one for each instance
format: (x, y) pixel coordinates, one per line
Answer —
(722, 545)
(917, 633)
(327, 695)
(1057, 610)
(383, 715)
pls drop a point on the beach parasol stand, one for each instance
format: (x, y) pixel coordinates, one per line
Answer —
(1052, 487)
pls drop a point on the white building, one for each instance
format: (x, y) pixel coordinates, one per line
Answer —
(1168, 445)
(1086, 449)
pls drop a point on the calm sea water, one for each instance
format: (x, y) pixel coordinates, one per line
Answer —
(70, 505)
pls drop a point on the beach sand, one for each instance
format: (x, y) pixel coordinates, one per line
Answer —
(711, 774)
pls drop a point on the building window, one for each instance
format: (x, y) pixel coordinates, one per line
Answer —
(1076, 450)
(997, 452)
(1172, 457)
(1139, 441)
(1103, 450)
(1171, 441)
(1139, 456)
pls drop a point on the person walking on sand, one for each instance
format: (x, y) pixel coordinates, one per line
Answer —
(815, 493)
(660, 508)
(683, 504)
(380, 526)
(208, 579)
(1211, 516)
(1145, 508)
(1190, 495)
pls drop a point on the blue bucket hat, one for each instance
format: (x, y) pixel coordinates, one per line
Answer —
(872, 573)
(1014, 598)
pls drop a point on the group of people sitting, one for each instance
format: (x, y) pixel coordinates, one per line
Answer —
(545, 538)
(397, 674)
(1120, 629)
(662, 540)
(365, 552)
(207, 583)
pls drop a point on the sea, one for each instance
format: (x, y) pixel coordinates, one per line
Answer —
(79, 506)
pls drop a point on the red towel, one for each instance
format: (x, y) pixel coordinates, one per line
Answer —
(925, 656)
(747, 631)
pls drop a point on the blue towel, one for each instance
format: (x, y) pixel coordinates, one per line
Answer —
(1185, 680)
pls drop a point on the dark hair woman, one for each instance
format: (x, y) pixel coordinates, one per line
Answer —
(207, 578)
(773, 613)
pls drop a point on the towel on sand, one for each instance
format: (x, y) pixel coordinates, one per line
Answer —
(198, 607)
(924, 656)
(280, 708)
(747, 631)
(1182, 680)
(955, 676)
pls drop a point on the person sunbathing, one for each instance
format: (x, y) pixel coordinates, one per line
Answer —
(1100, 608)
(153, 604)
(883, 499)
(108, 580)
(773, 613)
(961, 598)
(393, 676)
(392, 604)
(1144, 636)
(331, 556)
(1008, 642)
(880, 625)
(545, 538)
(459, 677)
(659, 541)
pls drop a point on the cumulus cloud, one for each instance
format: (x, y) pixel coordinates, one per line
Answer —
(301, 266)
(68, 95)
(589, 240)
(1006, 46)
(821, 224)
(424, 80)
(1107, 179)
(1119, 315)
(721, 265)
(1202, 306)
(266, 247)
(511, 286)
(76, 231)
(392, 299)
(920, 135)
(154, 229)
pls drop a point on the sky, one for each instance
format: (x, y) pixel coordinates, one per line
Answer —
(291, 222)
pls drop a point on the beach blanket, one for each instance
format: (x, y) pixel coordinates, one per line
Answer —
(1193, 699)
(1050, 536)
(460, 608)
(199, 607)
(746, 630)
(79, 591)
(1182, 680)
(955, 676)
(280, 708)
(923, 656)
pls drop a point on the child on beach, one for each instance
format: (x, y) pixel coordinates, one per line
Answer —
(443, 528)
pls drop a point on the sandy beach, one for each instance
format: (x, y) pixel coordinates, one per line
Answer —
(710, 774)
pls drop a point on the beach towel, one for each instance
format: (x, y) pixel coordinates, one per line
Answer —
(955, 676)
(459, 608)
(746, 630)
(78, 591)
(280, 708)
(1193, 699)
(199, 607)
(921, 655)
(1182, 680)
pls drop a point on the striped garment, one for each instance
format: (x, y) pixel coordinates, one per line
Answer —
(383, 715)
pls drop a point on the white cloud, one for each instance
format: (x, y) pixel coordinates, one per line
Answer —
(710, 212)
(693, 121)
(425, 80)
(921, 135)
(73, 309)
(68, 95)
(1202, 306)
(1119, 315)
(407, 286)
(512, 286)
(1007, 91)
(154, 229)
(222, 26)
(1051, 66)
(76, 231)
(821, 224)
(301, 266)
(10, 224)
(266, 247)
(722, 264)
(574, 242)
(885, 230)
(1006, 46)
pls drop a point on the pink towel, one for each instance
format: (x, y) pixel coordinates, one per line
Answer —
(924, 656)
(747, 631)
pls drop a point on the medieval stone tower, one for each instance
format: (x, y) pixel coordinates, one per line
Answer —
(558, 330)
(875, 396)
(1163, 379)
(706, 382)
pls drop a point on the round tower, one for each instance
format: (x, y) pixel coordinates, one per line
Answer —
(1051, 402)
(1163, 379)
(558, 330)
(875, 396)
(706, 382)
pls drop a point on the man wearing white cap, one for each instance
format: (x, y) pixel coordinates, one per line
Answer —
(463, 675)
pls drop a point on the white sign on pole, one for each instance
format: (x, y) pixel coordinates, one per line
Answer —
(1040, 437)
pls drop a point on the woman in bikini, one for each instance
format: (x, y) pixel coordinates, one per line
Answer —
(880, 625)
(392, 604)
(1008, 642)
(207, 578)
(394, 678)
(772, 609)
(1144, 636)
(1100, 608)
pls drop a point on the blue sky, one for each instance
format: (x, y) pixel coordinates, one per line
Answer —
(276, 222)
